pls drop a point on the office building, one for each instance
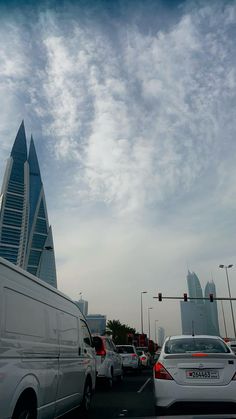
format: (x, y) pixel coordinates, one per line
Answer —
(194, 287)
(25, 234)
(97, 323)
(193, 317)
(199, 316)
(160, 336)
(211, 310)
(83, 306)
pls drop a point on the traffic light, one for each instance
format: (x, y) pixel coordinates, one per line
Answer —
(159, 296)
(185, 296)
(211, 297)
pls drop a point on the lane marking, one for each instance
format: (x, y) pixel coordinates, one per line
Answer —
(123, 412)
(144, 385)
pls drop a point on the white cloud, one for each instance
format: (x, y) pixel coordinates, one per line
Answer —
(141, 119)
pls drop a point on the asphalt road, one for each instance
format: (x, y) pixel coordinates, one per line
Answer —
(133, 397)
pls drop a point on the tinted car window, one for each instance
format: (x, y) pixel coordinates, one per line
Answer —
(125, 349)
(97, 343)
(194, 345)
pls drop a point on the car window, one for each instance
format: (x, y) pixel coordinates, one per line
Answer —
(109, 345)
(97, 343)
(186, 345)
(125, 349)
(87, 338)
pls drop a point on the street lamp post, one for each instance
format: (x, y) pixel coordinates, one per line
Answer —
(142, 292)
(156, 321)
(231, 305)
(223, 313)
(149, 333)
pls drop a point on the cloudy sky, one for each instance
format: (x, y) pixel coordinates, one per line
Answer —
(132, 108)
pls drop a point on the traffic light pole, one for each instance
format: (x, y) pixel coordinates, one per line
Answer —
(197, 298)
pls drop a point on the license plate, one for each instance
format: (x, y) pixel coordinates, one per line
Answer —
(202, 374)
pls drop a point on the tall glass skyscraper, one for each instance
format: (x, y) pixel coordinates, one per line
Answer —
(211, 310)
(194, 287)
(199, 316)
(25, 235)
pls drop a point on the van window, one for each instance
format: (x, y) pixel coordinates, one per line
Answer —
(24, 316)
(86, 334)
(68, 329)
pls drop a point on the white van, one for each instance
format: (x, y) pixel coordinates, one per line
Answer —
(47, 359)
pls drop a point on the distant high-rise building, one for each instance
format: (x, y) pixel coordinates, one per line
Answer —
(211, 310)
(194, 287)
(199, 316)
(97, 323)
(193, 317)
(160, 336)
(25, 235)
(83, 306)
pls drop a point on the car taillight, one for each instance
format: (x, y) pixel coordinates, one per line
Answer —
(161, 373)
(143, 358)
(134, 355)
(199, 354)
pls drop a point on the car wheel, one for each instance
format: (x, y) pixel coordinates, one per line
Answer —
(24, 409)
(87, 398)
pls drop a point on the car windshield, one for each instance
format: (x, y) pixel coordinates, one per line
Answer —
(206, 345)
(125, 349)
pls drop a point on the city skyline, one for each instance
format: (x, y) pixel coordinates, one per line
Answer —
(132, 108)
(25, 234)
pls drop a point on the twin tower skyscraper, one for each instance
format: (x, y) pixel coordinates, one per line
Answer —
(25, 234)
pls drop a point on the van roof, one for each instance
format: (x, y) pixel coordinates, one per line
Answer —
(35, 279)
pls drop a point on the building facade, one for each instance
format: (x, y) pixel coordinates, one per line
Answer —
(25, 234)
(160, 335)
(211, 310)
(199, 316)
(97, 323)
(83, 306)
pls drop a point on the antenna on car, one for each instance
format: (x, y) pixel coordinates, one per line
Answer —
(193, 328)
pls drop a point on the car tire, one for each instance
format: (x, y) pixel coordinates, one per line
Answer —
(24, 409)
(87, 398)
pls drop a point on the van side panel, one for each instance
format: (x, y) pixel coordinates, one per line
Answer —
(40, 345)
(29, 339)
(71, 380)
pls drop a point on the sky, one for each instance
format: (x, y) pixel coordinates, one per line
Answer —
(131, 104)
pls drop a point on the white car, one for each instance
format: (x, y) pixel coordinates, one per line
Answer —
(130, 357)
(193, 370)
(109, 363)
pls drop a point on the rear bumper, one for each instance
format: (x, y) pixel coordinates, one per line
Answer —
(168, 393)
